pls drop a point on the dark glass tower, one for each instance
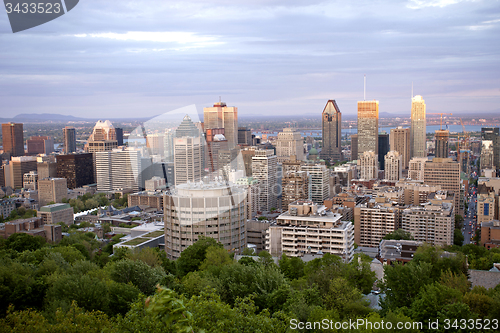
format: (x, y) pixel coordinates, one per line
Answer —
(331, 132)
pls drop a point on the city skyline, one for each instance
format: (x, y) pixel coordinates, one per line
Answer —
(265, 58)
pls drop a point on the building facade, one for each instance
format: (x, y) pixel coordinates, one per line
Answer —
(78, 169)
(399, 140)
(265, 170)
(289, 144)
(210, 209)
(368, 165)
(331, 126)
(393, 166)
(52, 190)
(308, 228)
(368, 126)
(69, 136)
(418, 127)
(13, 139)
(223, 116)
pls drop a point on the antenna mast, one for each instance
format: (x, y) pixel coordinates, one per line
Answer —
(411, 89)
(364, 94)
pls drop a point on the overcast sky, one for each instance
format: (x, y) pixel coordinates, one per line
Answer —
(116, 58)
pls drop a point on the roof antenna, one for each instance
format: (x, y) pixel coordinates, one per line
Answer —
(220, 99)
(411, 89)
(364, 94)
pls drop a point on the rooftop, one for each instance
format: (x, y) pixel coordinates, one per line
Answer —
(55, 207)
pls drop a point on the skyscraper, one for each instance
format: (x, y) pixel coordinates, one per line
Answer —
(188, 153)
(383, 149)
(222, 116)
(13, 139)
(264, 169)
(354, 147)
(393, 166)
(418, 127)
(119, 135)
(368, 126)
(118, 169)
(400, 142)
(40, 145)
(69, 139)
(368, 165)
(78, 169)
(493, 134)
(442, 137)
(289, 143)
(331, 119)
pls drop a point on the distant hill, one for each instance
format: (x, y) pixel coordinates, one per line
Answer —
(44, 117)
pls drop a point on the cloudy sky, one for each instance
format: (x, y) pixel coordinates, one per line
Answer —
(117, 58)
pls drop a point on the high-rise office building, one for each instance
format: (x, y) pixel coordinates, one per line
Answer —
(442, 137)
(103, 138)
(216, 142)
(383, 149)
(368, 165)
(188, 153)
(418, 127)
(69, 134)
(393, 166)
(331, 125)
(289, 144)
(30, 181)
(487, 155)
(52, 190)
(15, 170)
(13, 139)
(244, 136)
(119, 136)
(222, 116)
(47, 168)
(400, 142)
(493, 134)
(118, 169)
(368, 126)
(211, 209)
(40, 145)
(78, 169)
(156, 144)
(188, 159)
(264, 169)
(354, 147)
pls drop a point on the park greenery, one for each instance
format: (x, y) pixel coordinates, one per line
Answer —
(76, 286)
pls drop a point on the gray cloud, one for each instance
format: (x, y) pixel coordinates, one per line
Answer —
(122, 58)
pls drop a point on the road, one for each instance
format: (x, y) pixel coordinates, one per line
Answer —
(470, 218)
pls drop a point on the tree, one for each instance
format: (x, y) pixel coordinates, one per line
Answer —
(24, 242)
(215, 257)
(459, 221)
(136, 272)
(402, 283)
(292, 268)
(458, 238)
(192, 257)
(399, 234)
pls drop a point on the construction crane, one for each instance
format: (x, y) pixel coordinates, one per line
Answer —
(466, 136)
(441, 114)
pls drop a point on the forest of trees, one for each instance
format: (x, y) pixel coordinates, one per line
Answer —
(75, 286)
